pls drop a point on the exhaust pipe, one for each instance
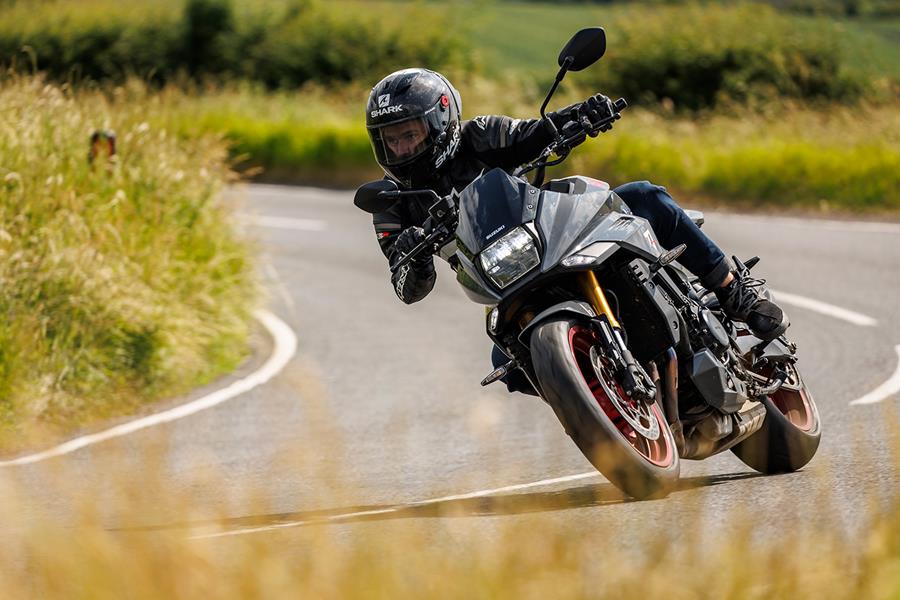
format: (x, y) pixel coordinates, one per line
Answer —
(744, 424)
(670, 399)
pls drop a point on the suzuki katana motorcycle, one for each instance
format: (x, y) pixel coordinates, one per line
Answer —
(635, 357)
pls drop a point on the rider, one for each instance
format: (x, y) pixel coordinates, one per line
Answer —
(413, 121)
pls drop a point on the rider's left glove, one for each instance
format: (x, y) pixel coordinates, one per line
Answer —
(408, 239)
(596, 109)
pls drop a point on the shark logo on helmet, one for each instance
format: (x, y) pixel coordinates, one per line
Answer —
(449, 151)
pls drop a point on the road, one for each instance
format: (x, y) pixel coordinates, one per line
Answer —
(381, 408)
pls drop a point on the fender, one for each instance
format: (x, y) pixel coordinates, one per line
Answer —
(570, 307)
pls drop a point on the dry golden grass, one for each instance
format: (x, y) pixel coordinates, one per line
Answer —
(95, 543)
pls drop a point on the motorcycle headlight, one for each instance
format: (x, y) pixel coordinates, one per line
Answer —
(510, 257)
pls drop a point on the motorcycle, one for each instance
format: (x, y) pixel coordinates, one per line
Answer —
(635, 357)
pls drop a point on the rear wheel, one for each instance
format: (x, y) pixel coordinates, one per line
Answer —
(625, 439)
(790, 434)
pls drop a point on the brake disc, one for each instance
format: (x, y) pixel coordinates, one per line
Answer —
(636, 413)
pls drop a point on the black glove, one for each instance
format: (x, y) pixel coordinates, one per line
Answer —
(408, 239)
(594, 110)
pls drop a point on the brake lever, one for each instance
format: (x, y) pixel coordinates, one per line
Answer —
(431, 243)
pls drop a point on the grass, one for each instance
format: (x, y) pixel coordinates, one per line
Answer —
(841, 158)
(121, 282)
(134, 537)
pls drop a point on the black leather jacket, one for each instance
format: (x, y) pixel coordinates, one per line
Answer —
(487, 142)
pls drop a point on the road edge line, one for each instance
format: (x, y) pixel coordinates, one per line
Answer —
(829, 310)
(885, 390)
(285, 347)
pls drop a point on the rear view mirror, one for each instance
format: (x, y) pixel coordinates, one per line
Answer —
(584, 49)
(376, 196)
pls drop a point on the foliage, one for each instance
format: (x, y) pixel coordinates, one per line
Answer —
(281, 43)
(702, 55)
(839, 158)
(121, 282)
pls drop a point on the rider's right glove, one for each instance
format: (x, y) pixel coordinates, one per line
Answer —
(596, 109)
(408, 239)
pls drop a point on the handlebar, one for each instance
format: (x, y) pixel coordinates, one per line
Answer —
(436, 231)
(572, 134)
(583, 128)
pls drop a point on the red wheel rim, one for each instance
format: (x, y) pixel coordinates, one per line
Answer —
(659, 451)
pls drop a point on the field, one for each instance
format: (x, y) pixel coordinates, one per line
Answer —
(530, 41)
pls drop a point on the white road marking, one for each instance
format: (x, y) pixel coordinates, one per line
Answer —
(285, 222)
(285, 347)
(885, 390)
(277, 282)
(399, 507)
(826, 309)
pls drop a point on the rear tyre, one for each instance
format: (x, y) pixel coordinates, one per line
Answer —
(790, 434)
(628, 441)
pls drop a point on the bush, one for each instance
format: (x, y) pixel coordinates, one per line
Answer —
(701, 56)
(334, 45)
(304, 41)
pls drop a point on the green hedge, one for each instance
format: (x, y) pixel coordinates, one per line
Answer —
(701, 56)
(280, 43)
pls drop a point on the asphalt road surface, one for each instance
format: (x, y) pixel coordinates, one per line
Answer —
(381, 408)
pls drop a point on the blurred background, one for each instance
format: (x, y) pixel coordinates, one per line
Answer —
(787, 102)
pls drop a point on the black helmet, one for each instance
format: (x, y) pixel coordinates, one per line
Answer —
(413, 123)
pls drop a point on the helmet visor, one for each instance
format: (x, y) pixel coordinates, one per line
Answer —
(400, 143)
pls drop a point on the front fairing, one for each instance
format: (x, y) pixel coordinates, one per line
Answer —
(562, 222)
(492, 205)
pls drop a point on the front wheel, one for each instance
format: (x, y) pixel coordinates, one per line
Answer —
(790, 435)
(628, 441)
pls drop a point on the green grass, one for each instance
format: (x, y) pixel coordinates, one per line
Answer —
(873, 46)
(841, 158)
(120, 283)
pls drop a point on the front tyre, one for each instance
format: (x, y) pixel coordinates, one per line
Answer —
(628, 441)
(790, 435)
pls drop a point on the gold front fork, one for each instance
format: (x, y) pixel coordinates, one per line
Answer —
(596, 297)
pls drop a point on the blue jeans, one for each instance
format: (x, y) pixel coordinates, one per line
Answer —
(672, 227)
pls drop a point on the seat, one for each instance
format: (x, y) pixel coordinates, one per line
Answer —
(696, 216)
